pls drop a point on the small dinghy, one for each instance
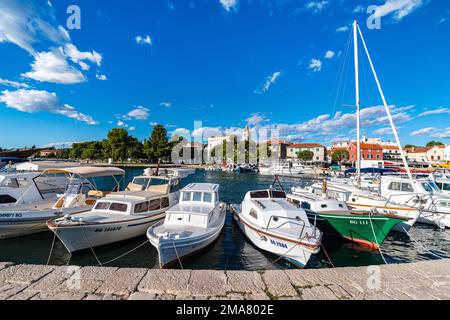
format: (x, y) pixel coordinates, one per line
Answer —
(121, 215)
(277, 226)
(191, 225)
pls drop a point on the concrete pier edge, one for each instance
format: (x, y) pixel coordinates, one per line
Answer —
(418, 280)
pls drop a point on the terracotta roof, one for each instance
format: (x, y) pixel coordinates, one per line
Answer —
(372, 146)
(306, 145)
(270, 142)
(417, 149)
(390, 147)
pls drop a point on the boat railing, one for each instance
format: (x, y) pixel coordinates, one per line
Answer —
(416, 199)
(297, 222)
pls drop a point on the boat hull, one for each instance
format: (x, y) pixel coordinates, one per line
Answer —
(22, 223)
(439, 219)
(170, 251)
(404, 226)
(80, 237)
(356, 228)
(291, 251)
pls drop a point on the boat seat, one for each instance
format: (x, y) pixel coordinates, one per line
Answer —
(134, 187)
(97, 194)
(159, 189)
(90, 201)
(59, 203)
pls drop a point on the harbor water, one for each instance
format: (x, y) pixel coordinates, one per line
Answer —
(232, 251)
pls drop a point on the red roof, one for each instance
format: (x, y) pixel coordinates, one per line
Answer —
(306, 145)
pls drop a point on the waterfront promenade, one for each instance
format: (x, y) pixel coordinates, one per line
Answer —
(420, 280)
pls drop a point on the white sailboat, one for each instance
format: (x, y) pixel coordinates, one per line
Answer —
(352, 192)
(122, 215)
(191, 225)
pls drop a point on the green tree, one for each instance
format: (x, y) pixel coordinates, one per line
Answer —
(92, 151)
(410, 146)
(118, 139)
(158, 146)
(434, 143)
(305, 155)
(263, 152)
(135, 150)
(340, 156)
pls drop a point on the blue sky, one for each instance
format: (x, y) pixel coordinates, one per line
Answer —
(272, 64)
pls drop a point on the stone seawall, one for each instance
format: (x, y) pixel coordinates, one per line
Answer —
(421, 280)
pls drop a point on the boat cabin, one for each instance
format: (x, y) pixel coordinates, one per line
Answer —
(159, 184)
(197, 205)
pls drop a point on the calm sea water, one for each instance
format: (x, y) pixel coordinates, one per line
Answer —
(232, 251)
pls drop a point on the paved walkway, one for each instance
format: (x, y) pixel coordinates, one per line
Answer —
(421, 280)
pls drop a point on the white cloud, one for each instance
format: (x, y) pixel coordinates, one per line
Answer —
(120, 123)
(229, 5)
(206, 132)
(315, 65)
(316, 6)
(256, 119)
(84, 66)
(398, 8)
(383, 131)
(60, 145)
(132, 128)
(272, 79)
(32, 101)
(101, 77)
(359, 9)
(52, 66)
(423, 131)
(30, 24)
(435, 111)
(13, 84)
(153, 123)
(139, 113)
(441, 134)
(343, 29)
(329, 54)
(166, 104)
(77, 56)
(144, 40)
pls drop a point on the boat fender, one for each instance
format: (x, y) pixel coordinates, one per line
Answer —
(67, 217)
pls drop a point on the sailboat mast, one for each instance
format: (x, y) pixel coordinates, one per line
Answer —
(358, 133)
(388, 111)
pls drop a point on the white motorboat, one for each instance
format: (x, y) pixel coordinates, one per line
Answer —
(365, 201)
(273, 224)
(442, 181)
(191, 225)
(421, 194)
(29, 187)
(40, 203)
(121, 215)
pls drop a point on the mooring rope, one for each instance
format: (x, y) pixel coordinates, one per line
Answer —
(126, 253)
(375, 237)
(51, 249)
(176, 252)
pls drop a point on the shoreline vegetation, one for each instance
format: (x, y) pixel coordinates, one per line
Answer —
(121, 148)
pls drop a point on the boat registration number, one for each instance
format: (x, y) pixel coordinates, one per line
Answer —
(108, 229)
(11, 215)
(359, 222)
(278, 244)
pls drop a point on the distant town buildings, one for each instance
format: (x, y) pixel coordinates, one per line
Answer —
(319, 151)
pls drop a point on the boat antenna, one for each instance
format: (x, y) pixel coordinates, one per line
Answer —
(358, 106)
(388, 111)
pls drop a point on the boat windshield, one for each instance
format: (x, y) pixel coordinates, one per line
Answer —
(14, 182)
(430, 187)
